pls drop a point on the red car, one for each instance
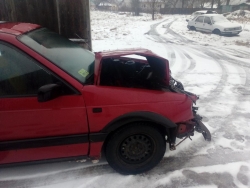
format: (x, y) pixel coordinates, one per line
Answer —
(60, 101)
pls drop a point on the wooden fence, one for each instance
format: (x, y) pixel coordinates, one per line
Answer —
(182, 10)
(68, 17)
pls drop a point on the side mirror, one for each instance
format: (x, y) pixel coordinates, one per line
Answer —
(187, 20)
(209, 23)
(48, 92)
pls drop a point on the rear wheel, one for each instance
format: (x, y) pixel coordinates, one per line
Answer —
(217, 32)
(135, 148)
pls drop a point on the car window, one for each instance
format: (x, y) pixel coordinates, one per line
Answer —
(200, 19)
(65, 54)
(21, 75)
(207, 20)
(219, 18)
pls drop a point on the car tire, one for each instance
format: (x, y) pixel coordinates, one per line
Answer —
(135, 148)
(217, 32)
(192, 28)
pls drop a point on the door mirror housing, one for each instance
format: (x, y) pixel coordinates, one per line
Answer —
(48, 92)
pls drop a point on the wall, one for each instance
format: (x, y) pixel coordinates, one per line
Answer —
(67, 17)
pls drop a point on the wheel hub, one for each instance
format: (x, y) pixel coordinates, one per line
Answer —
(136, 148)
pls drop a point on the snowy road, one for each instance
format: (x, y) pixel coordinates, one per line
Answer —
(219, 74)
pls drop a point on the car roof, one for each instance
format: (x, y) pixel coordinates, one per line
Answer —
(212, 15)
(17, 28)
(201, 11)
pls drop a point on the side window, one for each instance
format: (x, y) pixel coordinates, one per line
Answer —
(21, 75)
(207, 20)
(200, 19)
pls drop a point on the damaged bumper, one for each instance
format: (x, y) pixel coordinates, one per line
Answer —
(201, 128)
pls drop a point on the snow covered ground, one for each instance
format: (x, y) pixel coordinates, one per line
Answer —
(215, 67)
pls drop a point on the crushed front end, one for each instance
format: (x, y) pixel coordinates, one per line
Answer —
(186, 129)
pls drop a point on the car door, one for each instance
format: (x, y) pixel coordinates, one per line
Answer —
(198, 24)
(207, 25)
(32, 130)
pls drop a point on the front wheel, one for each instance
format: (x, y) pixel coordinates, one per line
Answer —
(192, 28)
(135, 148)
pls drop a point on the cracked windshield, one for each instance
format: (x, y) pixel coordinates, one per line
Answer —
(125, 93)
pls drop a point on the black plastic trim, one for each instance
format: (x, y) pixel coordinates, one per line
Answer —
(25, 163)
(139, 116)
(43, 142)
(97, 137)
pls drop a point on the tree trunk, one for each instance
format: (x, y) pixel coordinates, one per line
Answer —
(219, 3)
(153, 10)
(228, 1)
(212, 4)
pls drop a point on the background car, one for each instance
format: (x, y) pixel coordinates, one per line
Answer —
(214, 23)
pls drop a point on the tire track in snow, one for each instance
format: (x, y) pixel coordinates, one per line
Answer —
(220, 124)
(184, 57)
(167, 165)
(172, 59)
(221, 84)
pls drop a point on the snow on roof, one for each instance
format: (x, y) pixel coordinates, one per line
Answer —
(234, 2)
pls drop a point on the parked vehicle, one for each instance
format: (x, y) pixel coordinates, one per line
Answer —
(214, 23)
(60, 101)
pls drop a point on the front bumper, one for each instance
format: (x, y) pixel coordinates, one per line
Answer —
(230, 32)
(187, 129)
(201, 128)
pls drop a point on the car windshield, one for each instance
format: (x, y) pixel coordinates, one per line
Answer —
(65, 54)
(219, 19)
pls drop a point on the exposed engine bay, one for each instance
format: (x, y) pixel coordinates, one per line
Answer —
(134, 73)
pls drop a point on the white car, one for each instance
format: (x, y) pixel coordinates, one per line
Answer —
(214, 23)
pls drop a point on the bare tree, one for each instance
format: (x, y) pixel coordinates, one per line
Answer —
(135, 4)
(171, 3)
(191, 3)
(219, 3)
(212, 4)
(202, 2)
(153, 7)
(228, 1)
(97, 2)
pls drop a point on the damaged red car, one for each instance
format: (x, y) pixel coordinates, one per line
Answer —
(60, 101)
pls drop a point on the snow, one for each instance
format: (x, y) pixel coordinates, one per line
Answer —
(217, 68)
(238, 14)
